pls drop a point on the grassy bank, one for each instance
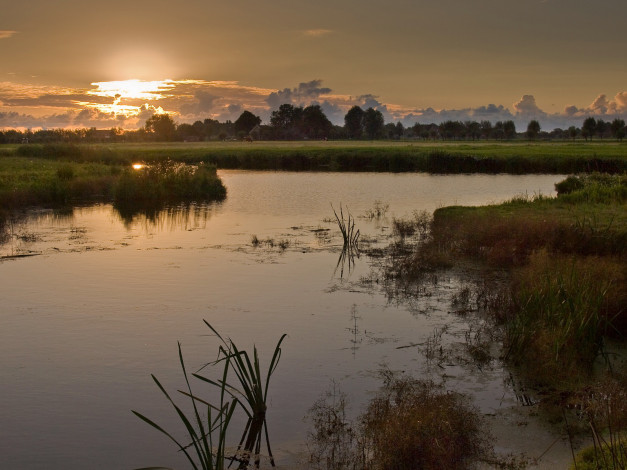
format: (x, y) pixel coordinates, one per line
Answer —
(28, 182)
(569, 270)
(437, 157)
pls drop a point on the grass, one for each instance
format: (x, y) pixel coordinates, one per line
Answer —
(206, 437)
(605, 411)
(435, 157)
(408, 424)
(207, 426)
(250, 391)
(566, 258)
(29, 182)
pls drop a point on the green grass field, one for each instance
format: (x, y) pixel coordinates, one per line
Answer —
(436, 157)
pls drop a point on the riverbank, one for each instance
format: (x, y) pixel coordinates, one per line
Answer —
(561, 318)
(394, 156)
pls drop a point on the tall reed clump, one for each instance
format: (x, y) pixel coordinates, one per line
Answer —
(564, 307)
(206, 427)
(249, 392)
(168, 182)
(350, 235)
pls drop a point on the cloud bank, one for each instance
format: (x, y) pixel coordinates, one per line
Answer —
(129, 103)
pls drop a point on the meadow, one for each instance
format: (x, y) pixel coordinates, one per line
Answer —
(516, 157)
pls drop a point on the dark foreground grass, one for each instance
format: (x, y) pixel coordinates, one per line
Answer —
(438, 157)
(31, 182)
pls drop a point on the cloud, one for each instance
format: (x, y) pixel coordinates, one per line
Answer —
(305, 92)
(527, 107)
(129, 104)
(204, 103)
(316, 32)
(7, 34)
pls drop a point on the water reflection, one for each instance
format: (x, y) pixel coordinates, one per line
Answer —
(180, 217)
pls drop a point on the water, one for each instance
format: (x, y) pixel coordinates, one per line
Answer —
(104, 301)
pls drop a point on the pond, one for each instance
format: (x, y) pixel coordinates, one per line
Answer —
(103, 301)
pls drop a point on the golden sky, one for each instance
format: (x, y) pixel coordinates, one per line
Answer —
(71, 63)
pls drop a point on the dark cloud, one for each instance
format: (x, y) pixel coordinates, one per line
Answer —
(303, 94)
(203, 103)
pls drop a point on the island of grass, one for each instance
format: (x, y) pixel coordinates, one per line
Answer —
(516, 157)
(31, 182)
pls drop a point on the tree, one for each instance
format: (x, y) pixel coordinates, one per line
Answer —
(573, 132)
(473, 129)
(374, 124)
(354, 122)
(161, 126)
(602, 128)
(315, 123)
(589, 127)
(286, 121)
(618, 128)
(486, 129)
(509, 129)
(533, 129)
(246, 121)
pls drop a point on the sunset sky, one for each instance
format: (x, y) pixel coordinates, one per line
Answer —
(70, 63)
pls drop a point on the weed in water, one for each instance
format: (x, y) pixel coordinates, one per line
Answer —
(208, 424)
(347, 227)
(378, 210)
(206, 428)
(251, 392)
(409, 424)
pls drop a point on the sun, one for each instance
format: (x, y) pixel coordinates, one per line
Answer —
(133, 89)
(136, 94)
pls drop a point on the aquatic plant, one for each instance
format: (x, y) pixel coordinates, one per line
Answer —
(409, 424)
(603, 407)
(251, 392)
(378, 210)
(347, 227)
(206, 437)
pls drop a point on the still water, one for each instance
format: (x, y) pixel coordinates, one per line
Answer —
(103, 302)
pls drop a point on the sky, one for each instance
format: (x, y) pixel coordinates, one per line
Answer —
(71, 63)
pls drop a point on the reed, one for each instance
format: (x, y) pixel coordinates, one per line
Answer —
(251, 392)
(207, 436)
(350, 235)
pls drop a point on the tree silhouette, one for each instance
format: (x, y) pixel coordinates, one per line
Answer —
(533, 129)
(374, 124)
(354, 122)
(589, 127)
(162, 126)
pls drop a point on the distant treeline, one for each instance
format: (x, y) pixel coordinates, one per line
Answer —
(291, 122)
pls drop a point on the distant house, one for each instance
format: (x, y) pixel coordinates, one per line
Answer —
(255, 132)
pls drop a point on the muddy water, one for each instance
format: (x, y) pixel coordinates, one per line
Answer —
(102, 302)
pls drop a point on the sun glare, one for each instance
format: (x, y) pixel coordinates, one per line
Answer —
(133, 89)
